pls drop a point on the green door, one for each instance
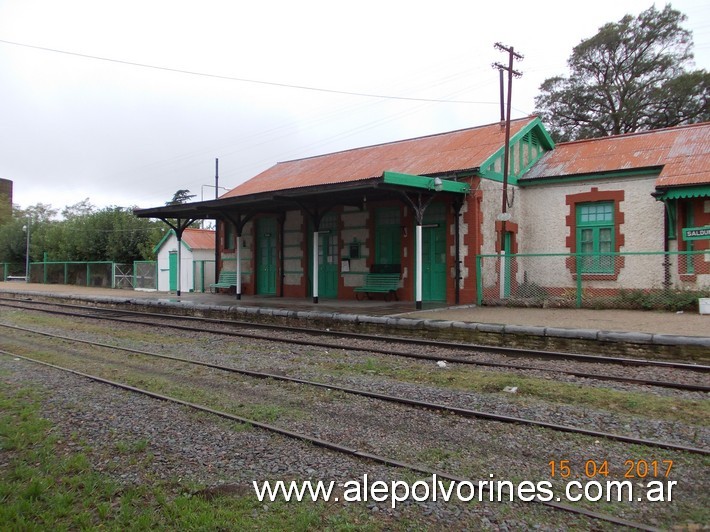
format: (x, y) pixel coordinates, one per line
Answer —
(327, 257)
(507, 269)
(388, 245)
(434, 254)
(266, 256)
(172, 266)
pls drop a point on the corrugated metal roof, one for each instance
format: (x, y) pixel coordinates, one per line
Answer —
(446, 152)
(682, 153)
(198, 238)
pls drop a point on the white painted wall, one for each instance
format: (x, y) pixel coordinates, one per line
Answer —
(544, 211)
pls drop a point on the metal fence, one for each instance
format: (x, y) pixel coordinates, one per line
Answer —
(141, 275)
(640, 280)
(145, 275)
(12, 270)
(203, 275)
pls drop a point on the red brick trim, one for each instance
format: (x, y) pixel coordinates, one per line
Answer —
(616, 197)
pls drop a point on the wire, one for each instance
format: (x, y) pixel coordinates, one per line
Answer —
(243, 80)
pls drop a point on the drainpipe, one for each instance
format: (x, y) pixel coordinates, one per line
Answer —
(666, 248)
(457, 245)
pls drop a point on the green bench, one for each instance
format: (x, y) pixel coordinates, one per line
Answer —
(379, 283)
(227, 279)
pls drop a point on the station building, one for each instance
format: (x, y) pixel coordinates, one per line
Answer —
(427, 209)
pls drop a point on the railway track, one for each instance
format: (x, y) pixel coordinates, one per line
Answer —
(167, 320)
(463, 412)
(333, 446)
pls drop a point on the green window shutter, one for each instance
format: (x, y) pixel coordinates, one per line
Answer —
(595, 236)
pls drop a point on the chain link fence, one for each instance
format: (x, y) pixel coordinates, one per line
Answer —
(141, 275)
(641, 280)
(11, 271)
(95, 273)
(145, 275)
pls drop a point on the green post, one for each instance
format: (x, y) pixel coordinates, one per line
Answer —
(5, 267)
(88, 274)
(578, 269)
(479, 282)
(202, 276)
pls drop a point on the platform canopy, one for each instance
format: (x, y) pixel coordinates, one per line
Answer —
(390, 185)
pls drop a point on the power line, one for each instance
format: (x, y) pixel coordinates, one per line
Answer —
(243, 80)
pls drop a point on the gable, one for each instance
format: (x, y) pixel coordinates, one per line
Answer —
(192, 239)
(526, 148)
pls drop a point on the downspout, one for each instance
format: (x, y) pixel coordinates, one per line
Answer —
(658, 196)
(666, 247)
(457, 244)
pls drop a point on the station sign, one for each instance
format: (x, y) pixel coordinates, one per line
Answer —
(696, 233)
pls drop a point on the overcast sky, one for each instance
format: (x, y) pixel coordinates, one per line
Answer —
(74, 127)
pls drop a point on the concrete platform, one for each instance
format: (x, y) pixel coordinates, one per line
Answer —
(493, 323)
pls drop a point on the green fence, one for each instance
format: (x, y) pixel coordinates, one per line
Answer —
(202, 275)
(12, 270)
(640, 280)
(103, 274)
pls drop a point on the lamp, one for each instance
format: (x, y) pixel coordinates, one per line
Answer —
(438, 184)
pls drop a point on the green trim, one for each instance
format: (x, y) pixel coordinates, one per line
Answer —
(417, 181)
(655, 172)
(535, 137)
(697, 191)
(167, 235)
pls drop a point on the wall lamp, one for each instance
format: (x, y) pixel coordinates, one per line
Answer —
(438, 184)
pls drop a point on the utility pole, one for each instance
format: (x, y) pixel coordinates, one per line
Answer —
(504, 216)
(512, 55)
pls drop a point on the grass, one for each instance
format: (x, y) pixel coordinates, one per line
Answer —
(42, 487)
(531, 388)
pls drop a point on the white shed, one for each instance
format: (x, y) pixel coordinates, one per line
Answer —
(197, 267)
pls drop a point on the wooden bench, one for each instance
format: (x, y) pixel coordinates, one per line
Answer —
(227, 279)
(382, 283)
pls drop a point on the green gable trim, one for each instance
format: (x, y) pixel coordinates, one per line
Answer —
(527, 146)
(698, 191)
(651, 173)
(162, 241)
(417, 181)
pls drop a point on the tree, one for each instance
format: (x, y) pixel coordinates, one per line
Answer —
(86, 234)
(631, 76)
(181, 196)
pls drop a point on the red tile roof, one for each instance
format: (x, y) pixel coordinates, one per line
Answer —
(198, 238)
(446, 152)
(683, 152)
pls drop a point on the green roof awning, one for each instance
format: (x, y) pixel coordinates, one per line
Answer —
(428, 183)
(697, 191)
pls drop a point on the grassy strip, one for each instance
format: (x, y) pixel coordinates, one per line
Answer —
(44, 487)
(465, 378)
